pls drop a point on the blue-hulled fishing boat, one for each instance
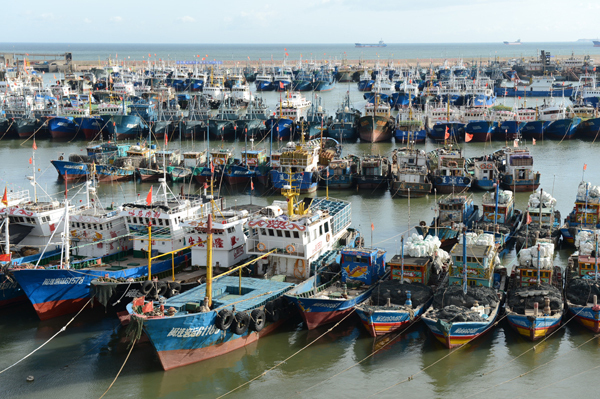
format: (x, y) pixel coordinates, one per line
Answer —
(535, 302)
(562, 129)
(453, 211)
(449, 174)
(585, 214)
(361, 270)
(581, 293)
(343, 126)
(476, 280)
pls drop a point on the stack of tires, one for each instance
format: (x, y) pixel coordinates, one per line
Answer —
(240, 322)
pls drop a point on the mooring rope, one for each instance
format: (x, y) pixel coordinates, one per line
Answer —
(50, 339)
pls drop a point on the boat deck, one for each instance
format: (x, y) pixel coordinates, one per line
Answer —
(226, 291)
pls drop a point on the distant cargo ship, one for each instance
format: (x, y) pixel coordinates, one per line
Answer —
(380, 44)
(596, 43)
(513, 43)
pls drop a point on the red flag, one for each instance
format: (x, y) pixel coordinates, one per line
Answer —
(251, 185)
(528, 218)
(5, 198)
(585, 166)
(212, 168)
(34, 146)
(149, 197)
(5, 258)
(138, 301)
(281, 85)
(447, 134)
(30, 161)
(372, 226)
(147, 308)
(468, 137)
(533, 141)
(166, 139)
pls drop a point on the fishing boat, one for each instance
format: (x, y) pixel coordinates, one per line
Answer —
(290, 110)
(541, 221)
(224, 314)
(562, 129)
(452, 213)
(585, 214)
(582, 288)
(316, 119)
(374, 172)
(361, 270)
(55, 290)
(517, 172)
(499, 218)
(340, 174)
(409, 175)
(484, 170)
(472, 302)
(534, 282)
(301, 163)
(401, 300)
(376, 124)
(343, 125)
(449, 174)
(365, 81)
(252, 123)
(222, 126)
(410, 127)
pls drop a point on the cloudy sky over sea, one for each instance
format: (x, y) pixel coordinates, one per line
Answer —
(309, 21)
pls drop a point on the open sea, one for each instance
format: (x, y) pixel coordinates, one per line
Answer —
(266, 52)
(82, 361)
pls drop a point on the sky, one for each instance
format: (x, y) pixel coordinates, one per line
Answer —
(300, 21)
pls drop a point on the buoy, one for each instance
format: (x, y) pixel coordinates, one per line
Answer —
(30, 378)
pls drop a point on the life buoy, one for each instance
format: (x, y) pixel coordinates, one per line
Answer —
(61, 158)
(294, 162)
(224, 319)
(483, 166)
(241, 322)
(290, 248)
(452, 164)
(261, 246)
(257, 320)
(328, 237)
(336, 177)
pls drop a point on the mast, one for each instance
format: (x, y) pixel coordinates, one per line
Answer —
(402, 261)
(465, 260)
(209, 271)
(538, 266)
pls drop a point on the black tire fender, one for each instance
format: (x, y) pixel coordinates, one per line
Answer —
(241, 322)
(174, 289)
(257, 319)
(147, 287)
(161, 288)
(224, 319)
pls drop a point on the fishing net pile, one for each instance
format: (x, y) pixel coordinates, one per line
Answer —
(453, 305)
(523, 298)
(504, 197)
(581, 291)
(396, 292)
(416, 246)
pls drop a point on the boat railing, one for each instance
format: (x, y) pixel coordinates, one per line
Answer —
(285, 247)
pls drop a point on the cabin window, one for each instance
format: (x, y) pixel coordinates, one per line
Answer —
(160, 222)
(263, 232)
(230, 230)
(271, 233)
(135, 220)
(296, 235)
(459, 259)
(78, 225)
(279, 233)
(321, 230)
(360, 259)
(95, 226)
(327, 227)
(287, 234)
(348, 258)
(101, 227)
(167, 222)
